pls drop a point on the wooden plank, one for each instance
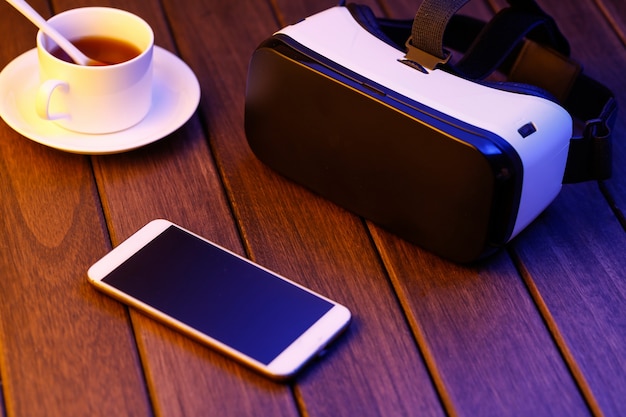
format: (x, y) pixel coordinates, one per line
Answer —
(62, 348)
(290, 12)
(478, 328)
(176, 179)
(588, 35)
(301, 236)
(48, 303)
(575, 261)
(12, 47)
(574, 256)
(499, 339)
(484, 343)
(614, 11)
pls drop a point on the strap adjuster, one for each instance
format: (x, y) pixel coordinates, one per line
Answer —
(424, 59)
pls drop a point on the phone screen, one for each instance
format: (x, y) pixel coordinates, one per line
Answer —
(221, 295)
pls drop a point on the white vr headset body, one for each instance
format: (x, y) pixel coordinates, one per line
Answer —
(455, 166)
(543, 153)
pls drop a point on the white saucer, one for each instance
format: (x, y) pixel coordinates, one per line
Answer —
(176, 94)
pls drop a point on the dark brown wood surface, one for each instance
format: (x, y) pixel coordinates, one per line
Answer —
(537, 330)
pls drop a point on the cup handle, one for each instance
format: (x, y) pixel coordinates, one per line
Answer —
(44, 94)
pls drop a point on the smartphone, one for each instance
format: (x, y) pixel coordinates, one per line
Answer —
(217, 297)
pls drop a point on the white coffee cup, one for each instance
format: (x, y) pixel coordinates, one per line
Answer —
(96, 99)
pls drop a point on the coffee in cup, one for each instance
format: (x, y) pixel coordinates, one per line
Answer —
(96, 99)
(101, 49)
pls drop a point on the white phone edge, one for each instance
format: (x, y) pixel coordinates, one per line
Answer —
(284, 366)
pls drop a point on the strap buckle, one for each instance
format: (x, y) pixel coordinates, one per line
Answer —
(529, 38)
(416, 56)
(590, 154)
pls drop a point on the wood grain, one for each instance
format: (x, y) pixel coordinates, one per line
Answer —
(537, 330)
(176, 179)
(301, 236)
(55, 232)
(478, 327)
(578, 272)
(481, 329)
(583, 288)
(63, 349)
(614, 13)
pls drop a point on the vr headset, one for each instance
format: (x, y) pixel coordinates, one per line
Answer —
(401, 121)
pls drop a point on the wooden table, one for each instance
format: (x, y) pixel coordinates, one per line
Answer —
(536, 330)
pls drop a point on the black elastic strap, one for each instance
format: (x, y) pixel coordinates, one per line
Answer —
(524, 18)
(500, 38)
(591, 105)
(590, 149)
(590, 152)
(430, 25)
